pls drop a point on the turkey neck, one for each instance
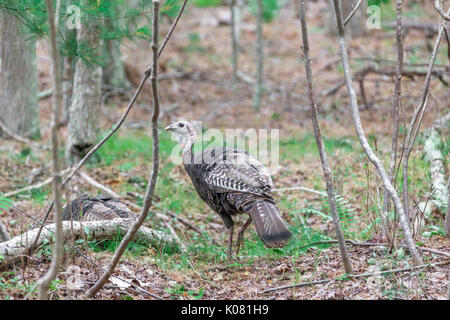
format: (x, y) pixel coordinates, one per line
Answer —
(186, 143)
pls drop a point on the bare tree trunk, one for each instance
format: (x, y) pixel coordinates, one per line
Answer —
(259, 57)
(148, 199)
(235, 8)
(323, 155)
(356, 26)
(114, 70)
(365, 144)
(44, 282)
(66, 87)
(18, 79)
(84, 128)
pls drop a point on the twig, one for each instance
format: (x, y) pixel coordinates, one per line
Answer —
(365, 144)
(417, 119)
(319, 141)
(35, 186)
(373, 244)
(320, 193)
(352, 13)
(98, 185)
(154, 175)
(24, 140)
(361, 275)
(445, 16)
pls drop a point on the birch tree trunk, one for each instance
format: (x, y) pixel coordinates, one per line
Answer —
(356, 27)
(83, 128)
(18, 79)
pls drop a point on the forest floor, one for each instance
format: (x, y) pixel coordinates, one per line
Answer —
(200, 50)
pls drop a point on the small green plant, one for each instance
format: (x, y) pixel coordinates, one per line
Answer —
(5, 203)
(180, 290)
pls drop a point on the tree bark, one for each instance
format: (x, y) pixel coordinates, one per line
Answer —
(18, 79)
(84, 128)
(356, 27)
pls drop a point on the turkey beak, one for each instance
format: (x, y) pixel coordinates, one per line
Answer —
(170, 128)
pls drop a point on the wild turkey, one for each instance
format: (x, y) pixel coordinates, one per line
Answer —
(231, 181)
(96, 208)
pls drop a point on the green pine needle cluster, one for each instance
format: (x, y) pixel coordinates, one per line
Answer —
(117, 20)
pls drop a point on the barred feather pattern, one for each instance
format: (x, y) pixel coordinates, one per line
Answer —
(97, 208)
(231, 181)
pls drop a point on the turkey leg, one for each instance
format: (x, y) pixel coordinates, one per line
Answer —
(241, 234)
(230, 241)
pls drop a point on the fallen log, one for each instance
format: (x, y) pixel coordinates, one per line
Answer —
(12, 250)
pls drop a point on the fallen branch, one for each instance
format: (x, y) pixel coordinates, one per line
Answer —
(11, 250)
(21, 139)
(320, 193)
(373, 244)
(35, 186)
(98, 185)
(361, 275)
(387, 71)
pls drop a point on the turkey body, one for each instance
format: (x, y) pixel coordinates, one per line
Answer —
(89, 208)
(231, 181)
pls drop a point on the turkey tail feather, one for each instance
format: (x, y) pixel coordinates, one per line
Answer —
(269, 224)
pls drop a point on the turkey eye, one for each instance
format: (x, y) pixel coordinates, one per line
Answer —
(181, 125)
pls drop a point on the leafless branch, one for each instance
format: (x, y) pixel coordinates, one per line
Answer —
(154, 174)
(417, 119)
(323, 154)
(352, 13)
(361, 275)
(44, 282)
(21, 139)
(445, 16)
(365, 144)
(395, 122)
